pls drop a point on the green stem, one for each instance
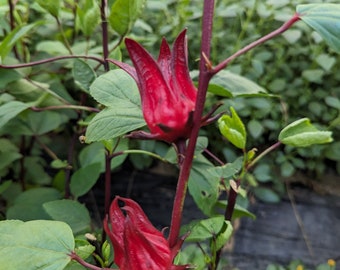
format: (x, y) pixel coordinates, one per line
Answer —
(61, 29)
(265, 152)
(60, 107)
(134, 151)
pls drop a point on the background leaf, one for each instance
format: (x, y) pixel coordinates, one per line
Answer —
(10, 110)
(83, 74)
(51, 6)
(228, 84)
(84, 179)
(29, 204)
(71, 212)
(124, 13)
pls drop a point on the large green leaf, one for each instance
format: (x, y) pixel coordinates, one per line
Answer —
(228, 84)
(302, 133)
(324, 19)
(119, 92)
(34, 245)
(72, 212)
(124, 13)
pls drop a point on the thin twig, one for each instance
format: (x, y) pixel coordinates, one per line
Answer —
(52, 59)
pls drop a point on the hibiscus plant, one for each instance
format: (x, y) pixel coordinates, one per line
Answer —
(133, 98)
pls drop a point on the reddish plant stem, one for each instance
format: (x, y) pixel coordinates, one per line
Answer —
(265, 38)
(108, 159)
(204, 77)
(52, 59)
(76, 258)
(61, 107)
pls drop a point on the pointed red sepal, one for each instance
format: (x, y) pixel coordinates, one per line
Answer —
(137, 244)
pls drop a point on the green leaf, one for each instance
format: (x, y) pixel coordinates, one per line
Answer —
(228, 170)
(116, 87)
(34, 245)
(84, 179)
(266, 195)
(205, 229)
(224, 235)
(263, 173)
(7, 76)
(324, 19)
(5, 185)
(302, 133)
(71, 212)
(203, 186)
(95, 153)
(228, 84)
(13, 37)
(53, 47)
(124, 13)
(83, 74)
(28, 205)
(239, 211)
(326, 61)
(192, 255)
(42, 122)
(51, 6)
(232, 128)
(10, 110)
(88, 17)
(114, 122)
(119, 92)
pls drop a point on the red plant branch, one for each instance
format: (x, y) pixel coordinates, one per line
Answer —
(260, 41)
(204, 77)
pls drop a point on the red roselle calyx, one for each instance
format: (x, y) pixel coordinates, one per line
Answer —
(167, 92)
(137, 244)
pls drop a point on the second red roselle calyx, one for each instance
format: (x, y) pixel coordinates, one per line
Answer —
(137, 244)
(167, 92)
